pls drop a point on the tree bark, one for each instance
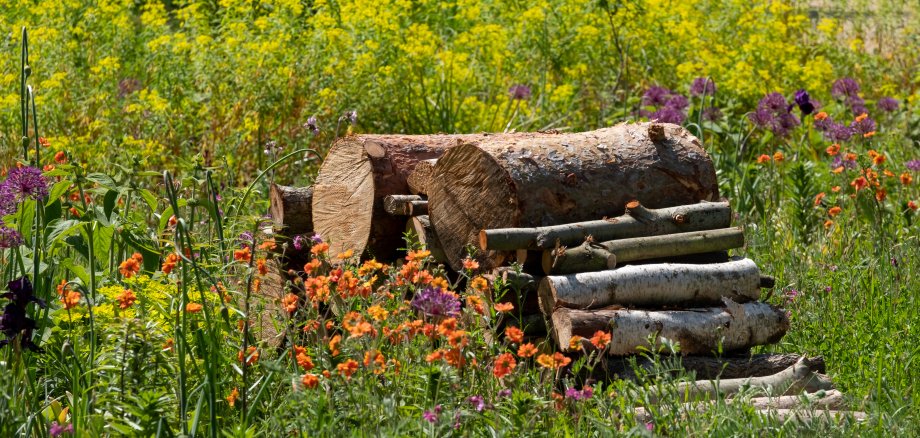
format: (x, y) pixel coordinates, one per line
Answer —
(358, 173)
(591, 256)
(680, 219)
(405, 205)
(427, 236)
(652, 286)
(291, 209)
(420, 178)
(708, 367)
(549, 179)
(698, 331)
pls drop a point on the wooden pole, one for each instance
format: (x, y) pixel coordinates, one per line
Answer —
(405, 205)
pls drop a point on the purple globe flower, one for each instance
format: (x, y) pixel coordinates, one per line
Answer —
(669, 115)
(656, 96)
(9, 238)
(863, 126)
(27, 182)
(702, 87)
(838, 132)
(519, 92)
(913, 165)
(677, 102)
(298, 242)
(857, 105)
(773, 114)
(435, 302)
(845, 87)
(57, 430)
(712, 114)
(888, 104)
(478, 403)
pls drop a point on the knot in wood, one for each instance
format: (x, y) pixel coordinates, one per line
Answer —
(679, 218)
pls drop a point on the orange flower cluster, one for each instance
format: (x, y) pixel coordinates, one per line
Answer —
(131, 266)
(251, 356)
(347, 368)
(303, 359)
(242, 255)
(170, 263)
(126, 299)
(504, 365)
(557, 360)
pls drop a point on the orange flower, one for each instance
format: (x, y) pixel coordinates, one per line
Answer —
(454, 357)
(129, 268)
(828, 223)
(575, 343)
(137, 256)
(193, 307)
(514, 334)
(763, 159)
(268, 245)
(261, 267)
(60, 157)
(170, 263)
(906, 179)
(434, 356)
(311, 266)
(470, 264)
(71, 299)
(778, 157)
(377, 312)
(458, 339)
(304, 361)
(859, 183)
(557, 360)
(231, 399)
(838, 169)
(48, 167)
(319, 249)
(504, 307)
(821, 116)
(447, 326)
(869, 134)
(527, 350)
(600, 339)
(479, 284)
(504, 365)
(168, 345)
(334, 345)
(835, 189)
(290, 302)
(834, 211)
(876, 157)
(126, 299)
(851, 156)
(375, 360)
(881, 194)
(417, 255)
(861, 117)
(347, 368)
(818, 198)
(242, 255)
(310, 380)
(252, 355)
(44, 142)
(475, 302)
(912, 205)
(833, 149)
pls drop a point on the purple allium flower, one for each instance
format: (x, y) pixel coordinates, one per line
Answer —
(478, 403)
(298, 242)
(913, 165)
(677, 102)
(773, 114)
(712, 114)
(702, 87)
(519, 92)
(803, 101)
(847, 164)
(668, 114)
(246, 237)
(572, 393)
(833, 131)
(350, 117)
(27, 182)
(888, 104)
(775, 102)
(656, 96)
(311, 125)
(434, 302)
(57, 430)
(9, 238)
(316, 238)
(857, 105)
(8, 201)
(863, 126)
(845, 87)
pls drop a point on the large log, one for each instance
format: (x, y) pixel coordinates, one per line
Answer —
(652, 286)
(552, 179)
(823, 400)
(707, 367)
(291, 210)
(421, 226)
(405, 205)
(358, 173)
(796, 379)
(698, 331)
(592, 256)
(420, 178)
(670, 220)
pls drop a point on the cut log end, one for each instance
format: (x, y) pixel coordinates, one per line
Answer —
(343, 201)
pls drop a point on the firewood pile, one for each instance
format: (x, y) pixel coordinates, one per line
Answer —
(618, 230)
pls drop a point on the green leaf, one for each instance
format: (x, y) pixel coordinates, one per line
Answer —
(58, 190)
(149, 198)
(108, 203)
(102, 243)
(103, 180)
(76, 269)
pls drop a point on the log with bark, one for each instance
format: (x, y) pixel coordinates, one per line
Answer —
(358, 173)
(594, 256)
(652, 286)
(550, 179)
(420, 177)
(426, 235)
(650, 222)
(822, 400)
(405, 205)
(705, 367)
(521, 289)
(698, 331)
(291, 209)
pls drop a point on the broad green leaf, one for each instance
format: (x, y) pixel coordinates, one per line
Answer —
(103, 180)
(59, 189)
(149, 198)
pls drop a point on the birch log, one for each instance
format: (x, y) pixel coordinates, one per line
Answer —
(698, 331)
(291, 209)
(823, 400)
(420, 177)
(405, 205)
(551, 179)
(680, 219)
(591, 256)
(426, 235)
(358, 172)
(652, 286)
(796, 379)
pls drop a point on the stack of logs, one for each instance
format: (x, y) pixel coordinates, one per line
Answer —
(565, 210)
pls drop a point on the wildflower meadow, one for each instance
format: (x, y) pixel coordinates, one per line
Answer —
(138, 265)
